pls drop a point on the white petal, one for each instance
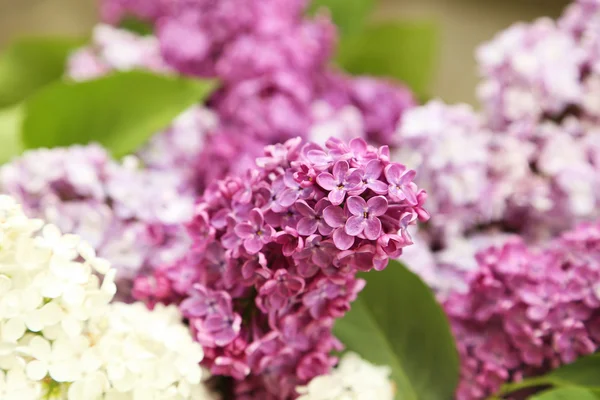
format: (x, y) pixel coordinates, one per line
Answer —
(13, 330)
(36, 370)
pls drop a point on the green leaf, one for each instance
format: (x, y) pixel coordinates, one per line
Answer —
(585, 372)
(120, 111)
(396, 321)
(29, 64)
(136, 25)
(348, 15)
(566, 393)
(405, 50)
(10, 129)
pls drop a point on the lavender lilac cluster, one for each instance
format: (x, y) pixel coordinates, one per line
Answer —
(132, 216)
(527, 310)
(523, 171)
(275, 255)
(529, 164)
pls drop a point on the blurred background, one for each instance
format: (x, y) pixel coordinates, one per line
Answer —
(463, 24)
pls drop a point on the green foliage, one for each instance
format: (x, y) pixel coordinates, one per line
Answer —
(404, 50)
(136, 25)
(10, 140)
(566, 393)
(28, 64)
(583, 373)
(396, 321)
(120, 111)
(349, 15)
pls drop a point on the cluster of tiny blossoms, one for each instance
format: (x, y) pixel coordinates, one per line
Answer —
(130, 215)
(534, 156)
(275, 255)
(353, 378)
(527, 310)
(59, 336)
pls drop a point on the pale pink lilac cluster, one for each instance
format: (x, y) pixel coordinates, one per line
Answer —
(527, 310)
(540, 86)
(132, 216)
(275, 255)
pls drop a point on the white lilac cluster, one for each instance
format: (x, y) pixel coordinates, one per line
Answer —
(60, 338)
(353, 379)
(529, 164)
(131, 215)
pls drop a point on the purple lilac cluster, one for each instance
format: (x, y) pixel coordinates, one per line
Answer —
(130, 215)
(527, 310)
(275, 255)
(273, 63)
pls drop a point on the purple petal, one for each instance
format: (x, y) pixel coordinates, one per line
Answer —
(256, 217)
(355, 225)
(326, 181)
(322, 258)
(277, 300)
(373, 169)
(253, 245)
(244, 230)
(372, 228)
(377, 205)
(215, 323)
(307, 269)
(410, 195)
(307, 226)
(353, 180)
(321, 205)
(358, 146)
(393, 173)
(288, 197)
(378, 187)
(318, 157)
(289, 180)
(324, 229)
(305, 209)
(295, 284)
(194, 307)
(408, 177)
(342, 240)
(356, 205)
(336, 196)
(340, 170)
(396, 193)
(334, 216)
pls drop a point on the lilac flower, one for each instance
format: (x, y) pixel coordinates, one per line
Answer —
(290, 277)
(222, 327)
(254, 233)
(370, 179)
(313, 219)
(364, 216)
(281, 287)
(520, 314)
(340, 182)
(399, 180)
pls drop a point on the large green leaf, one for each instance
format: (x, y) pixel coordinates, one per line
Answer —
(566, 393)
(28, 64)
(585, 372)
(405, 50)
(10, 128)
(396, 321)
(348, 15)
(120, 111)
